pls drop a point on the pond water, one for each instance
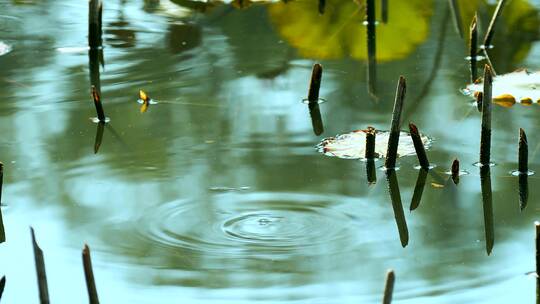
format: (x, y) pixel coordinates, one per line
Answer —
(217, 192)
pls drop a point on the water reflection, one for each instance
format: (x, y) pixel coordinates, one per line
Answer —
(316, 120)
(487, 205)
(418, 189)
(371, 171)
(397, 206)
(523, 186)
(99, 136)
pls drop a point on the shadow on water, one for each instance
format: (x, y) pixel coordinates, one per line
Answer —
(395, 196)
(487, 204)
(99, 136)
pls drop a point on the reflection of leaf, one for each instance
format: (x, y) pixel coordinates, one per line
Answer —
(340, 31)
(520, 86)
(352, 145)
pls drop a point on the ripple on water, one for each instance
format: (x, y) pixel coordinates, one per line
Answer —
(258, 224)
(4, 48)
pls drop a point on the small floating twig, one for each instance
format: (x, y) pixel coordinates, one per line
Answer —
(40, 270)
(95, 10)
(89, 276)
(454, 8)
(523, 153)
(487, 205)
(455, 171)
(397, 206)
(418, 189)
(370, 143)
(393, 140)
(384, 11)
(485, 137)
(491, 28)
(418, 146)
(315, 83)
(473, 44)
(97, 103)
(389, 287)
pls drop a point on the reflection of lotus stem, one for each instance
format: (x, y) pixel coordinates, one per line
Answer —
(371, 171)
(487, 205)
(473, 42)
(537, 225)
(370, 143)
(40, 270)
(523, 152)
(2, 231)
(455, 171)
(419, 146)
(95, 8)
(97, 103)
(491, 28)
(393, 140)
(315, 84)
(89, 276)
(418, 189)
(2, 285)
(485, 139)
(389, 287)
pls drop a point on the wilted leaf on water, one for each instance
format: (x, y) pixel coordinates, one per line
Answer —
(340, 31)
(353, 145)
(517, 87)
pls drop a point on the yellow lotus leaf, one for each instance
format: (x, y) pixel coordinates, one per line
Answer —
(340, 31)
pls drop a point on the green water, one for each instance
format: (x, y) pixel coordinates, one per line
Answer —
(217, 193)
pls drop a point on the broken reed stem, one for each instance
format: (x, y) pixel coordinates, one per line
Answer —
(479, 97)
(473, 44)
(485, 137)
(491, 28)
(40, 270)
(2, 286)
(418, 146)
(315, 83)
(371, 47)
(537, 225)
(97, 103)
(389, 287)
(95, 9)
(384, 11)
(393, 140)
(455, 171)
(370, 143)
(523, 153)
(89, 276)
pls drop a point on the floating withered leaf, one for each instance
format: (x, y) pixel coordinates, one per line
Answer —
(352, 145)
(520, 86)
(145, 101)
